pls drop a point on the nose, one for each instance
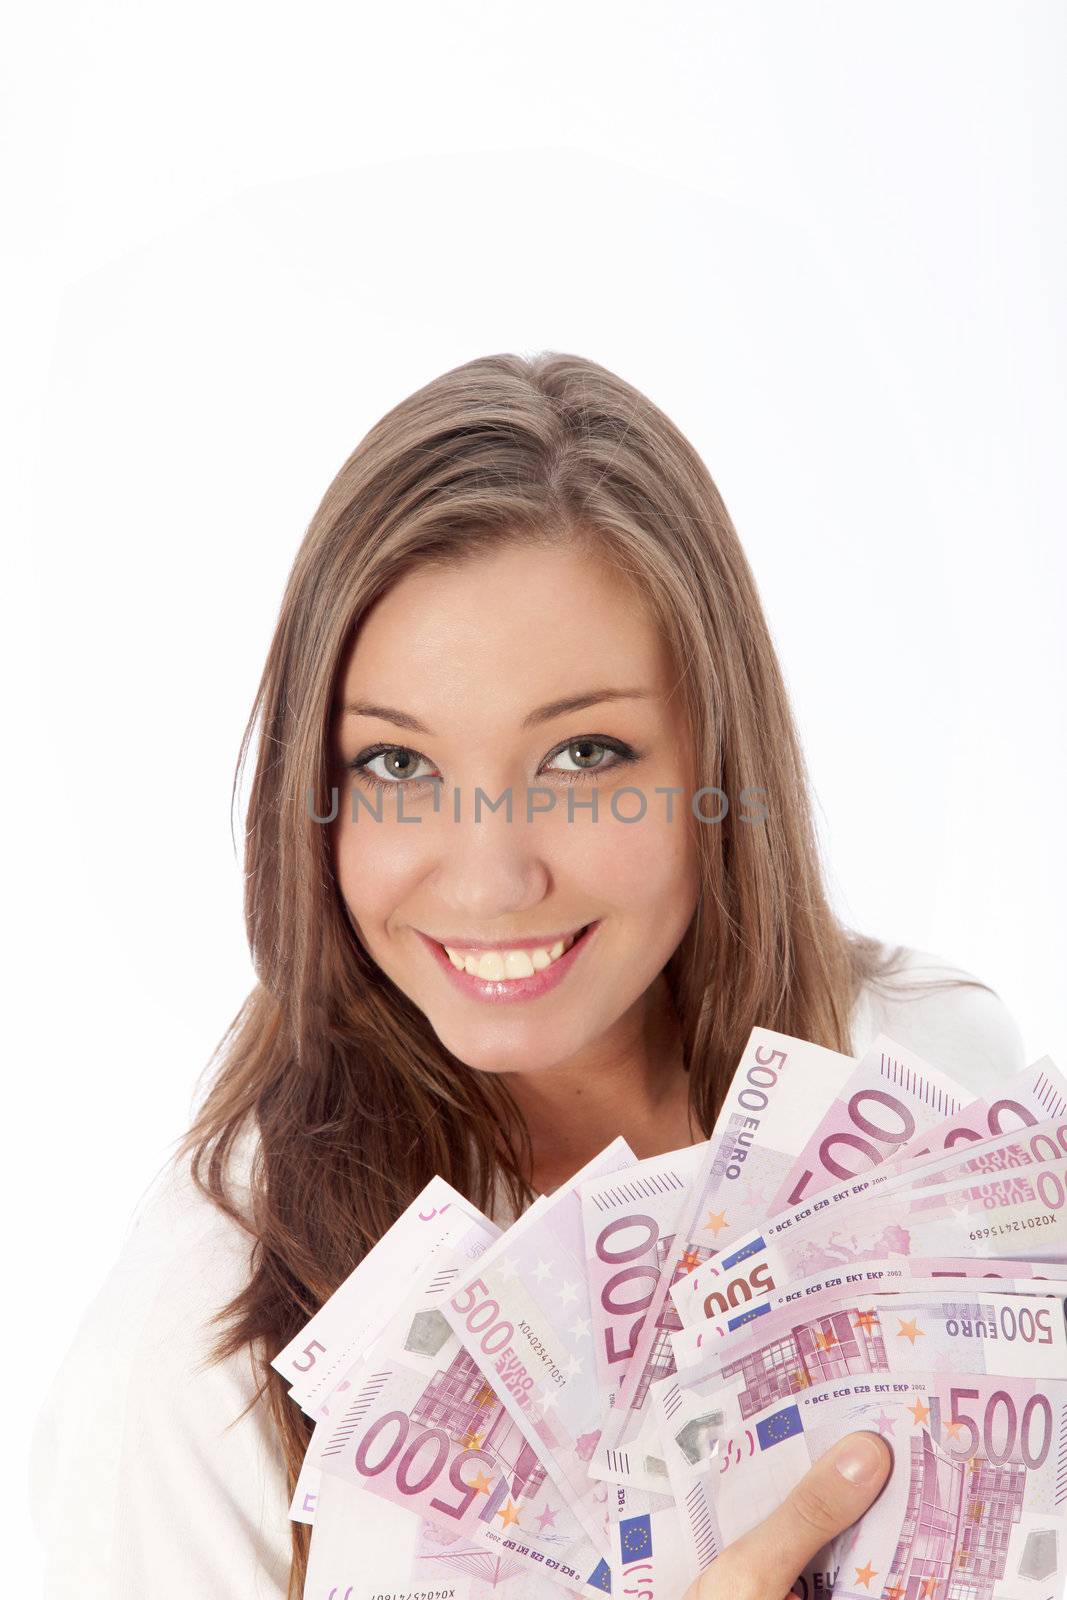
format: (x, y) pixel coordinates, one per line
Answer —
(491, 868)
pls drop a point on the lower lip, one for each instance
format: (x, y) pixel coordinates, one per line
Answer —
(504, 989)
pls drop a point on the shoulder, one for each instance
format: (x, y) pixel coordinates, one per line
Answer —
(947, 1015)
(182, 1260)
(154, 1468)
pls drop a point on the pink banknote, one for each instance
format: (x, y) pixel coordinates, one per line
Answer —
(523, 1313)
(1004, 1198)
(1034, 1095)
(649, 1559)
(363, 1548)
(404, 1305)
(638, 1244)
(327, 1345)
(973, 1510)
(699, 1337)
(841, 1334)
(891, 1099)
(427, 1431)
(631, 1223)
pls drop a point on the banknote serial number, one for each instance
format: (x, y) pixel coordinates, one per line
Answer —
(415, 1594)
(492, 1335)
(1045, 1220)
(540, 1350)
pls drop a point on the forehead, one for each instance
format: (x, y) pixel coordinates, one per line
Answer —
(503, 627)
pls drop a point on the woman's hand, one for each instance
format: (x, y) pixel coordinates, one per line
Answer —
(837, 1490)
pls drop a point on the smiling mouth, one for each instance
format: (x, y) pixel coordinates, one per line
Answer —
(500, 965)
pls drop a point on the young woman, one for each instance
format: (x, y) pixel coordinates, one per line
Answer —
(523, 580)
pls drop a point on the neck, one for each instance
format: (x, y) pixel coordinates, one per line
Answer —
(631, 1082)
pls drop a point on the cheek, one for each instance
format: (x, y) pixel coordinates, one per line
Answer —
(645, 863)
(376, 867)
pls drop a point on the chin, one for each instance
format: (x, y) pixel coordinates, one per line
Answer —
(494, 1052)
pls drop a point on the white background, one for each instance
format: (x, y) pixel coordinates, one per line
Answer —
(828, 239)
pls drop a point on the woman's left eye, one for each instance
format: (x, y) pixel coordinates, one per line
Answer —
(589, 765)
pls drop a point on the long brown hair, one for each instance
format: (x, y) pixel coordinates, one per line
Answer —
(353, 1101)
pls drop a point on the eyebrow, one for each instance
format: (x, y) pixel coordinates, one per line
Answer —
(555, 708)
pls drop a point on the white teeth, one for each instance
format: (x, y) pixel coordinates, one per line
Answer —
(497, 964)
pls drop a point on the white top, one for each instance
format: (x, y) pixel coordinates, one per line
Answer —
(138, 1489)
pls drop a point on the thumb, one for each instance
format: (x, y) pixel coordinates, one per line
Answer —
(765, 1562)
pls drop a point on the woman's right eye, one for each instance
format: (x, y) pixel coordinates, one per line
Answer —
(402, 760)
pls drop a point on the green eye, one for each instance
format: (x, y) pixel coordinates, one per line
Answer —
(591, 765)
(397, 754)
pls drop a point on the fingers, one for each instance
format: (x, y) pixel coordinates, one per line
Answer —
(765, 1562)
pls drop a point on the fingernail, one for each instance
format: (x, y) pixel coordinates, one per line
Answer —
(860, 1459)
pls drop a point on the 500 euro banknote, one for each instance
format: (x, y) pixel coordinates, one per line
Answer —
(697, 1341)
(638, 1232)
(974, 1505)
(363, 1548)
(772, 1113)
(925, 1156)
(911, 1115)
(630, 1225)
(426, 1430)
(523, 1314)
(317, 1357)
(892, 1100)
(1004, 1198)
(405, 1306)
(648, 1550)
(415, 1421)
(1036, 1094)
(968, 1328)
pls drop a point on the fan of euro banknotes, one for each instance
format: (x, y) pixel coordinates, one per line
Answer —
(602, 1396)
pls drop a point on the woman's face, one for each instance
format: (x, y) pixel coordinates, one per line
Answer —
(479, 656)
